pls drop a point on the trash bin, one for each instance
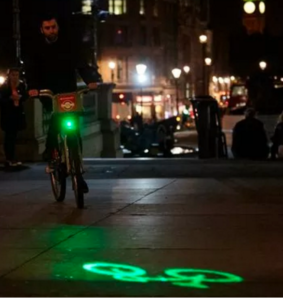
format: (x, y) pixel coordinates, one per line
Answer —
(211, 139)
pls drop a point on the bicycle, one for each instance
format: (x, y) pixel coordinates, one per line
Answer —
(67, 156)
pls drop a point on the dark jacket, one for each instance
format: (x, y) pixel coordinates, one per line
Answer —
(12, 117)
(53, 66)
(250, 140)
(277, 138)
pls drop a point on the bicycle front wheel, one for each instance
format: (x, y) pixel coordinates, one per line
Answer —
(76, 171)
(58, 180)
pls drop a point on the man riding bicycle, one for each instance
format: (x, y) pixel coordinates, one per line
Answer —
(52, 65)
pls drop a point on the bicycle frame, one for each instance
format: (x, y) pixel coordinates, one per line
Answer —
(68, 105)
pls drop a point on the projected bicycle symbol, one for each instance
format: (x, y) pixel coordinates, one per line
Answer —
(190, 278)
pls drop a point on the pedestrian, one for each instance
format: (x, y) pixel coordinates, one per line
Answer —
(277, 139)
(249, 138)
(13, 93)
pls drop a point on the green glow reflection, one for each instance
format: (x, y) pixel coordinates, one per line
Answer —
(190, 278)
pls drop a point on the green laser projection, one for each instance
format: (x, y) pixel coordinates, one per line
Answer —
(191, 278)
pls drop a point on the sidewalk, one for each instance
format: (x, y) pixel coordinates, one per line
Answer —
(157, 168)
(229, 224)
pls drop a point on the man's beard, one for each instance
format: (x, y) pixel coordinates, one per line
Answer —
(52, 38)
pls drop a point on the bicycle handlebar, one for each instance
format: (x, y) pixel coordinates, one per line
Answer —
(49, 93)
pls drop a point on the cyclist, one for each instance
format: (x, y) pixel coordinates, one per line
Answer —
(52, 65)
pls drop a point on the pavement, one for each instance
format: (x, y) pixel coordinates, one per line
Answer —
(151, 227)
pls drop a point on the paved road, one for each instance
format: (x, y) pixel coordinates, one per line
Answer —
(149, 233)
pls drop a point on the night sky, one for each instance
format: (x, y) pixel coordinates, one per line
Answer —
(226, 18)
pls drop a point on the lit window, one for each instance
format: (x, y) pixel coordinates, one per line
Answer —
(86, 6)
(117, 7)
(142, 10)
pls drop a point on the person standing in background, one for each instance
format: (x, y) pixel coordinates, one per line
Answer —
(13, 93)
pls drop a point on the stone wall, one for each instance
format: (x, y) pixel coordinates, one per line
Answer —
(101, 137)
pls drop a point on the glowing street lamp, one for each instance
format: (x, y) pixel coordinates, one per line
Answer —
(112, 66)
(249, 7)
(262, 7)
(187, 70)
(203, 39)
(176, 74)
(208, 61)
(141, 69)
(263, 65)
(207, 64)
(2, 80)
(254, 15)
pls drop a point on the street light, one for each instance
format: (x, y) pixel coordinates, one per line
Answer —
(141, 69)
(262, 7)
(208, 61)
(263, 65)
(249, 7)
(2, 80)
(176, 74)
(207, 64)
(187, 70)
(112, 66)
(203, 41)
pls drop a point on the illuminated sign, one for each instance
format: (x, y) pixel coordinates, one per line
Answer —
(149, 98)
(189, 278)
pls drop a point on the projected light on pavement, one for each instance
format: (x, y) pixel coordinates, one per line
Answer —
(190, 278)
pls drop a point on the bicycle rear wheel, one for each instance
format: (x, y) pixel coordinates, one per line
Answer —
(58, 179)
(76, 170)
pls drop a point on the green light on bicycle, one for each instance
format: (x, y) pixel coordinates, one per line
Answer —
(69, 124)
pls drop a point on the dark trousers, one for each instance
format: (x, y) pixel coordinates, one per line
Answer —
(54, 130)
(274, 150)
(10, 138)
